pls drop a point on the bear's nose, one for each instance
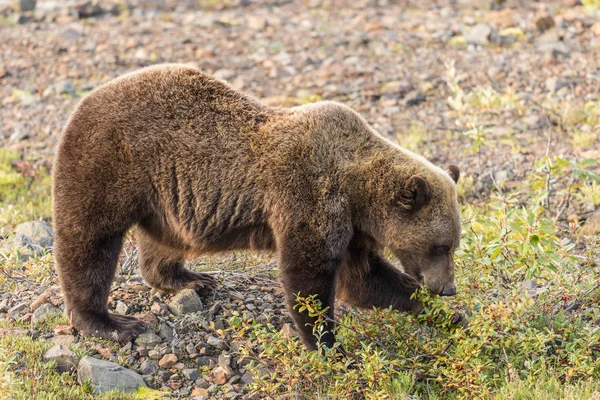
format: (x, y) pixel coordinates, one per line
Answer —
(448, 290)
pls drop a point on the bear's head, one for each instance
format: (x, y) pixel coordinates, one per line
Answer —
(423, 230)
(412, 209)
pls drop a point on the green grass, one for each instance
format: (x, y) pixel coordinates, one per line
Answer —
(24, 194)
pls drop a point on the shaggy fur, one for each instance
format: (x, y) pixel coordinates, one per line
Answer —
(201, 168)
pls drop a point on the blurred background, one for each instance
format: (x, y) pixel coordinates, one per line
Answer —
(480, 83)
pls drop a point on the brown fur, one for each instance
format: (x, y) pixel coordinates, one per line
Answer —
(202, 168)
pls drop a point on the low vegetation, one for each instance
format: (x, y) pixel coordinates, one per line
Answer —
(529, 292)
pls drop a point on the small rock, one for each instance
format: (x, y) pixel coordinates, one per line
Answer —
(247, 378)
(65, 359)
(121, 308)
(43, 312)
(479, 34)
(105, 376)
(288, 330)
(215, 342)
(158, 308)
(414, 98)
(64, 87)
(256, 22)
(105, 352)
(199, 392)
(592, 225)
(180, 366)
(550, 41)
(225, 74)
(398, 88)
(65, 340)
(222, 375)
(185, 302)
(532, 121)
(27, 5)
(148, 367)
(166, 332)
(175, 383)
(15, 311)
(154, 354)
(14, 332)
(213, 311)
(596, 29)
(553, 84)
(191, 373)
(224, 361)
(89, 9)
(148, 339)
(164, 376)
(544, 23)
(237, 296)
(191, 349)
(147, 318)
(38, 231)
(167, 361)
(203, 361)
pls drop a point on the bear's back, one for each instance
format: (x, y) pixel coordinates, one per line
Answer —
(168, 99)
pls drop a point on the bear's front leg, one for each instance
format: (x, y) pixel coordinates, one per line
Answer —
(368, 280)
(308, 268)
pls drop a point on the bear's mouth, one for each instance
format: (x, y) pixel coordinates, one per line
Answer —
(448, 290)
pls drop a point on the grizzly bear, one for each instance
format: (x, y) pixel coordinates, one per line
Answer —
(200, 167)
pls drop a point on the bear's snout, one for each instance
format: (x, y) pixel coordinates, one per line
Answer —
(449, 290)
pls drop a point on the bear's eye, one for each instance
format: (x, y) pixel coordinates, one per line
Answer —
(438, 251)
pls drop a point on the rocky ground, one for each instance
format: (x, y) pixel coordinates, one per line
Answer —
(186, 350)
(489, 85)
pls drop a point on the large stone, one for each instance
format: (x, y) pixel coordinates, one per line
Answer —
(105, 376)
(65, 359)
(38, 232)
(185, 302)
(43, 312)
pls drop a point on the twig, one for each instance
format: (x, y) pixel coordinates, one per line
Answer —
(577, 302)
(130, 262)
(551, 111)
(549, 175)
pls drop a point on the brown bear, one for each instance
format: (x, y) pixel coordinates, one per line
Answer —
(200, 167)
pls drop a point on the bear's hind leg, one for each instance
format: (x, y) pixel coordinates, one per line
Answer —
(86, 268)
(162, 268)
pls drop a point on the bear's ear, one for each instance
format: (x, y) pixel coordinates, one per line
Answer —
(415, 194)
(454, 172)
